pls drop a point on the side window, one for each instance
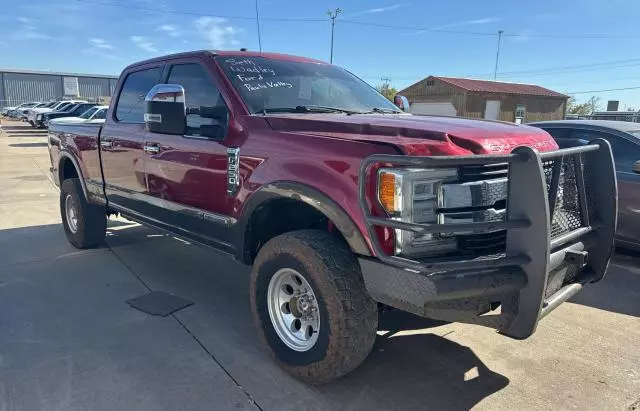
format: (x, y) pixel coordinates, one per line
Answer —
(100, 115)
(130, 106)
(207, 114)
(624, 152)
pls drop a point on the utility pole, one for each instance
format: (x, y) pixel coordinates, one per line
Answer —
(258, 24)
(333, 15)
(495, 71)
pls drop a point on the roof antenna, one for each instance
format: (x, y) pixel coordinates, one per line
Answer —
(258, 24)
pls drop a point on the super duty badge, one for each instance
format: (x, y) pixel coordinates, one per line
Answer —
(233, 170)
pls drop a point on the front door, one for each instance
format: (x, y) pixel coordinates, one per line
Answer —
(625, 153)
(187, 175)
(122, 140)
(492, 110)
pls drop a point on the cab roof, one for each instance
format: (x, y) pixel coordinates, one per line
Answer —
(229, 53)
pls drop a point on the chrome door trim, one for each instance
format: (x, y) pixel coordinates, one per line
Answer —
(220, 219)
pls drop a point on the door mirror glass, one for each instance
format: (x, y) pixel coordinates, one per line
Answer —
(636, 167)
(401, 102)
(165, 112)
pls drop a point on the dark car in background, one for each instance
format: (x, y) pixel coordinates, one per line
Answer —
(72, 111)
(624, 138)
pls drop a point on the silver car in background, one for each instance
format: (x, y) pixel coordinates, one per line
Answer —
(624, 138)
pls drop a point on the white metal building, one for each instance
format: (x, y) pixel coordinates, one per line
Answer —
(19, 86)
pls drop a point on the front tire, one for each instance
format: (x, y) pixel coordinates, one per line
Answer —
(311, 307)
(85, 224)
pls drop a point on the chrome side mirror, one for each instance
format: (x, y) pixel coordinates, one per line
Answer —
(636, 167)
(166, 110)
(401, 102)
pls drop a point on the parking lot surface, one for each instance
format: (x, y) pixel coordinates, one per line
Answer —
(69, 340)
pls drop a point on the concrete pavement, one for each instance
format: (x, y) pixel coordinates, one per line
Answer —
(68, 340)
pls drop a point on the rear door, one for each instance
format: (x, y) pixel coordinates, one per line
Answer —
(187, 175)
(626, 152)
(122, 140)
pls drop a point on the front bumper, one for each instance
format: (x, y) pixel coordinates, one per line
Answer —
(540, 266)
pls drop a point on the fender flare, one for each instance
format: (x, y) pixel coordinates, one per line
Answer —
(310, 196)
(66, 155)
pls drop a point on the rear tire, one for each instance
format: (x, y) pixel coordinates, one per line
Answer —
(348, 316)
(85, 224)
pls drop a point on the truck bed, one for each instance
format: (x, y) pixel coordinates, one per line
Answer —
(79, 145)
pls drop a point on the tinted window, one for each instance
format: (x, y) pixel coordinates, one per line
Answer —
(88, 113)
(130, 106)
(625, 152)
(206, 111)
(100, 115)
(266, 83)
(82, 108)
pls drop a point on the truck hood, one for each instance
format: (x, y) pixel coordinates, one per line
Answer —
(418, 135)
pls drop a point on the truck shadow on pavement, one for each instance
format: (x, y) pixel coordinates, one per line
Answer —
(410, 366)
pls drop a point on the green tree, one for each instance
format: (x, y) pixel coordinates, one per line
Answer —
(583, 109)
(387, 90)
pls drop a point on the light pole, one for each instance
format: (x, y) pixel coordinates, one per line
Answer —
(495, 71)
(333, 15)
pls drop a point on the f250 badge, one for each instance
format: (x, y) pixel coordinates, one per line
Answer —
(233, 170)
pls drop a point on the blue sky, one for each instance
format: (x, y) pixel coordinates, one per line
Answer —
(90, 36)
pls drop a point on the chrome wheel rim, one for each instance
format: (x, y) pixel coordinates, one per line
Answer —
(293, 309)
(72, 213)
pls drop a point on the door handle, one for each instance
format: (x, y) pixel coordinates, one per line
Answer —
(151, 149)
(106, 143)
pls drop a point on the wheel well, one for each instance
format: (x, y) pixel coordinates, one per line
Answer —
(279, 216)
(67, 170)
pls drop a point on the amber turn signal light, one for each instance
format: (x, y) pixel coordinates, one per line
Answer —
(387, 191)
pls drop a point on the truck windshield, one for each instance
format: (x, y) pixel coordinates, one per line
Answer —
(273, 85)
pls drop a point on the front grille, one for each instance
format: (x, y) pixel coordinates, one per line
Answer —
(468, 174)
(566, 214)
(483, 244)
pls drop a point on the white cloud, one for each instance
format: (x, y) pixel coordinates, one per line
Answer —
(218, 33)
(383, 9)
(373, 10)
(28, 31)
(485, 20)
(100, 44)
(100, 53)
(170, 30)
(144, 43)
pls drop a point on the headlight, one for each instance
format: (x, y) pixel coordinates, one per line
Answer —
(39, 117)
(414, 196)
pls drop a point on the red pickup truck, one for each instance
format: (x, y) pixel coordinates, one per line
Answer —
(341, 202)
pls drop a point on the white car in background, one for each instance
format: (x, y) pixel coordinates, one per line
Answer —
(95, 115)
(32, 115)
(5, 110)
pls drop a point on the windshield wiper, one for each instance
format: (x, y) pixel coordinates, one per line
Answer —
(309, 109)
(384, 111)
